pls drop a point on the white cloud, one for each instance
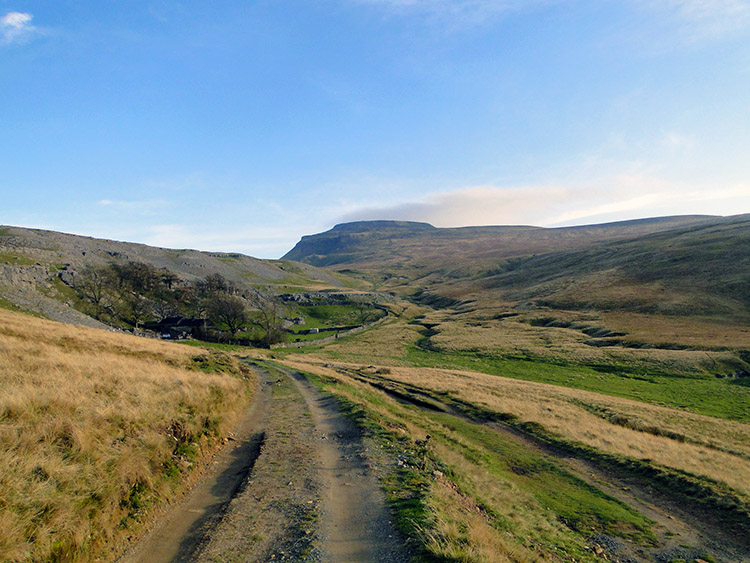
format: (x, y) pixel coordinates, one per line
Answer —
(144, 207)
(456, 12)
(16, 27)
(611, 199)
(705, 19)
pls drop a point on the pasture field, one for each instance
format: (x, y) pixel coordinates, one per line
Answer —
(97, 429)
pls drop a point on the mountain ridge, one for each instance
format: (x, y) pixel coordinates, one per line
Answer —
(669, 265)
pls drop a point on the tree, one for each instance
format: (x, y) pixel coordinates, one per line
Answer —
(228, 311)
(268, 315)
(134, 308)
(95, 285)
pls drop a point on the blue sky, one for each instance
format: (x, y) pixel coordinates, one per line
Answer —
(242, 125)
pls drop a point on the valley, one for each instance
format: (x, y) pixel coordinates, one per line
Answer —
(476, 394)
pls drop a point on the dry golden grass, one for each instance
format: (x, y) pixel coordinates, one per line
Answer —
(690, 331)
(383, 345)
(516, 337)
(716, 448)
(94, 427)
(462, 532)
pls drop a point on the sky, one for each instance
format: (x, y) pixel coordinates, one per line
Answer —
(241, 126)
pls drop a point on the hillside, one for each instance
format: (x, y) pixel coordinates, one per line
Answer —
(673, 265)
(97, 430)
(37, 267)
(422, 247)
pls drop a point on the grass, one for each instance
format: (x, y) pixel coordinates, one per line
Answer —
(214, 345)
(674, 378)
(715, 449)
(577, 504)
(479, 494)
(322, 316)
(723, 398)
(5, 304)
(15, 258)
(474, 494)
(97, 428)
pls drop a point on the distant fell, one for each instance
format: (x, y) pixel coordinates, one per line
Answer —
(382, 225)
(682, 265)
(379, 243)
(347, 241)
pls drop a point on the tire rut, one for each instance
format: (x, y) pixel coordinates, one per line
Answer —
(187, 524)
(675, 523)
(355, 522)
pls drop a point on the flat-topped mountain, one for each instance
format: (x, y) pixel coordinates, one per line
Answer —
(675, 265)
(365, 243)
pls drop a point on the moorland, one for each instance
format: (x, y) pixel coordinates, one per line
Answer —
(522, 394)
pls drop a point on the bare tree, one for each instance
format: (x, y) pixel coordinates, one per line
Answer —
(268, 315)
(229, 312)
(94, 284)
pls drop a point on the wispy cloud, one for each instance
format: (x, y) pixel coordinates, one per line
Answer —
(16, 27)
(456, 12)
(143, 207)
(705, 19)
(612, 199)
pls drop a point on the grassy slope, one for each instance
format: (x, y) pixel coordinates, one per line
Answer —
(497, 500)
(700, 270)
(474, 493)
(638, 376)
(678, 267)
(96, 428)
(32, 261)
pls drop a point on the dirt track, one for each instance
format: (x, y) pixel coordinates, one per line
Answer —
(189, 523)
(355, 524)
(295, 485)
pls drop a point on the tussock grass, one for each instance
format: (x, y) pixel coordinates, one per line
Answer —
(515, 337)
(96, 428)
(511, 347)
(714, 448)
(464, 497)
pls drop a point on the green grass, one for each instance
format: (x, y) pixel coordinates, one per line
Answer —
(319, 316)
(18, 259)
(5, 304)
(213, 345)
(551, 493)
(580, 506)
(722, 398)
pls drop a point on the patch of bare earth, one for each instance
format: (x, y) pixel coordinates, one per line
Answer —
(355, 523)
(297, 486)
(275, 515)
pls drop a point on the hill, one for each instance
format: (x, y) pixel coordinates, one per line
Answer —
(37, 268)
(374, 244)
(674, 265)
(99, 429)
